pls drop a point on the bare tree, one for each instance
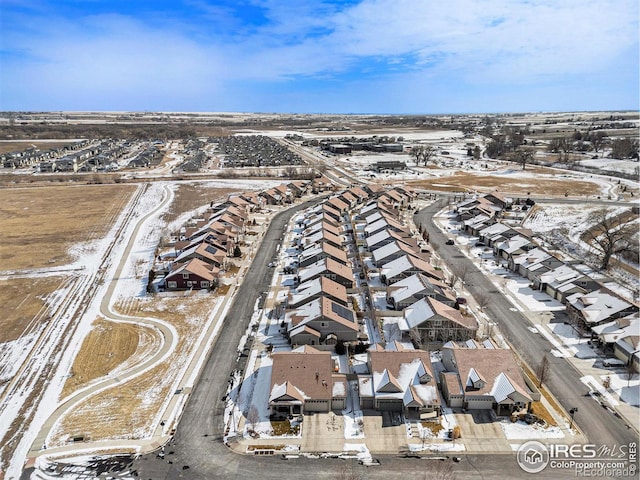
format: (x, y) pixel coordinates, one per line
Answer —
(482, 299)
(610, 236)
(597, 140)
(524, 156)
(630, 372)
(416, 337)
(253, 416)
(542, 370)
(416, 152)
(428, 153)
(463, 272)
(423, 153)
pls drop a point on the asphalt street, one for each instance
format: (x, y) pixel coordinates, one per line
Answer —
(598, 424)
(197, 450)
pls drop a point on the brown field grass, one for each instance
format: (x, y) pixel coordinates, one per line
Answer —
(545, 182)
(23, 302)
(191, 196)
(538, 409)
(128, 410)
(18, 146)
(108, 345)
(39, 225)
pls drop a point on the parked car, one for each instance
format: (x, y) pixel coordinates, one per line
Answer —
(613, 362)
(450, 242)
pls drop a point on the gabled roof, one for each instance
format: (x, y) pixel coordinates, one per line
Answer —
(404, 374)
(196, 267)
(426, 309)
(494, 370)
(392, 248)
(327, 264)
(323, 308)
(514, 244)
(598, 306)
(302, 374)
(338, 204)
(321, 285)
(407, 263)
(333, 252)
(387, 383)
(203, 249)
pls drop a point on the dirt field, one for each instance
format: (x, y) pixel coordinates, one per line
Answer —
(545, 182)
(108, 345)
(39, 225)
(23, 304)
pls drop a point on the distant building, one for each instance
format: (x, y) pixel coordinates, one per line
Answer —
(387, 166)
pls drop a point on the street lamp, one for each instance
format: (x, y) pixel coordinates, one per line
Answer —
(572, 412)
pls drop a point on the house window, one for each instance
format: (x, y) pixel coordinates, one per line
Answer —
(204, 284)
(172, 284)
(185, 276)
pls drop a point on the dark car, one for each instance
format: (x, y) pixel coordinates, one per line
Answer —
(450, 242)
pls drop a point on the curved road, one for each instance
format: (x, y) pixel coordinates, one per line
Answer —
(166, 331)
(197, 450)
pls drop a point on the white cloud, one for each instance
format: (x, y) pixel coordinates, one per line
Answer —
(390, 44)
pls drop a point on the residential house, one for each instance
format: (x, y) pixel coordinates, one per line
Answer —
(205, 252)
(597, 307)
(436, 323)
(193, 274)
(391, 252)
(484, 379)
(513, 246)
(315, 253)
(321, 236)
(304, 381)
(313, 289)
(408, 291)
(399, 379)
(327, 268)
(322, 322)
(406, 266)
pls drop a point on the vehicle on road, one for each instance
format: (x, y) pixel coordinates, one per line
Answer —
(450, 242)
(613, 362)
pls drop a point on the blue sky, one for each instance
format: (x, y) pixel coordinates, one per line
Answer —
(320, 56)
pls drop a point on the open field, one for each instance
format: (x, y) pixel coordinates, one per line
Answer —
(129, 410)
(539, 181)
(38, 226)
(108, 345)
(189, 196)
(23, 302)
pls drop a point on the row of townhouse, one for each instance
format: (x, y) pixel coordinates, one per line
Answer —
(33, 155)
(399, 378)
(589, 304)
(395, 377)
(319, 311)
(402, 262)
(202, 247)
